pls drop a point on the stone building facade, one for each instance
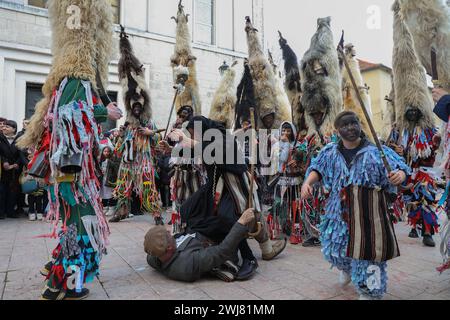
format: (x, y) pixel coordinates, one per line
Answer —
(218, 33)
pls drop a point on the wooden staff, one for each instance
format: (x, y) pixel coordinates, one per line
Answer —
(252, 164)
(366, 114)
(171, 111)
(252, 172)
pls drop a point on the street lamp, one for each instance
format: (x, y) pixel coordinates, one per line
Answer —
(224, 67)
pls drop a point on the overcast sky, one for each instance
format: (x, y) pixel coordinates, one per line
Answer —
(367, 24)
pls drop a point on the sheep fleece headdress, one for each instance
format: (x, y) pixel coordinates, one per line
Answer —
(132, 80)
(429, 23)
(321, 79)
(184, 62)
(410, 84)
(79, 51)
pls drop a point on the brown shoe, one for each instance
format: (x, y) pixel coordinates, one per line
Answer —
(277, 248)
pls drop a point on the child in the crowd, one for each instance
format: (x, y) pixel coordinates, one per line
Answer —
(286, 213)
(36, 194)
(36, 202)
(109, 203)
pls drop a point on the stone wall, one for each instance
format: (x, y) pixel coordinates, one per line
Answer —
(25, 56)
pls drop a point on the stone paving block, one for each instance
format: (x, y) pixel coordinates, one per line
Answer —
(25, 276)
(166, 285)
(30, 260)
(260, 286)
(119, 277)
(427, 296)
(298, 273)
(388, 296)
(2, 282)
(229, 292)
(96, 291)
(279, 294)
(185, 294)
(4, 262)
(344, 297)
(25, 291)
(317, 292)
(445, 294)
(15, 294)
(129, 292)
(137, 261)
(403, 291)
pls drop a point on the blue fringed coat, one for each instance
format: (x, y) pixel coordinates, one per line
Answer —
(365, 170)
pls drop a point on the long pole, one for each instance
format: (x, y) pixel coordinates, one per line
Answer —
(252, 175)
(252, 164)
(366, 114)
(171, 112)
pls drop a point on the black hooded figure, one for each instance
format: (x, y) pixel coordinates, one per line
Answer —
(199, 212)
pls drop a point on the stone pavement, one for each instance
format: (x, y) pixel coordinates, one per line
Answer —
(299, 273)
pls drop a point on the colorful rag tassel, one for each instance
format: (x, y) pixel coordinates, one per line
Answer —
(138, 176)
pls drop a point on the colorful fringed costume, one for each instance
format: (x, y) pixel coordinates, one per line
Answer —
(366, 170)
(188, 175)
(442, 110)
(421, 199)
(311, 209)
(64, 129)
(137, 172)
(84, 233)
(416, 129)
(136, 178)
(322, 100)
(285, 218)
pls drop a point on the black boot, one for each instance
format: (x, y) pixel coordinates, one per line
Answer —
(428, 241)
(52, 294)
(311, 242)
(413, 234)
(248, 269)
(73, 295)
(159, 221)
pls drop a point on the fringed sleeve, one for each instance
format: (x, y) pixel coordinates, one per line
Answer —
(100, 113)
(396, 162)
(284, 149)
(326, 165)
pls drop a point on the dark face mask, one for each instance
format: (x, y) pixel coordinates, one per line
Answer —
(268, 121)
(318, 118)
(350, 128)
(184, 115)
(137, 110)
(413, 115)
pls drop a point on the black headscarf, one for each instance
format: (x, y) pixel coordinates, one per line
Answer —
(238, 165)
(198, 211)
